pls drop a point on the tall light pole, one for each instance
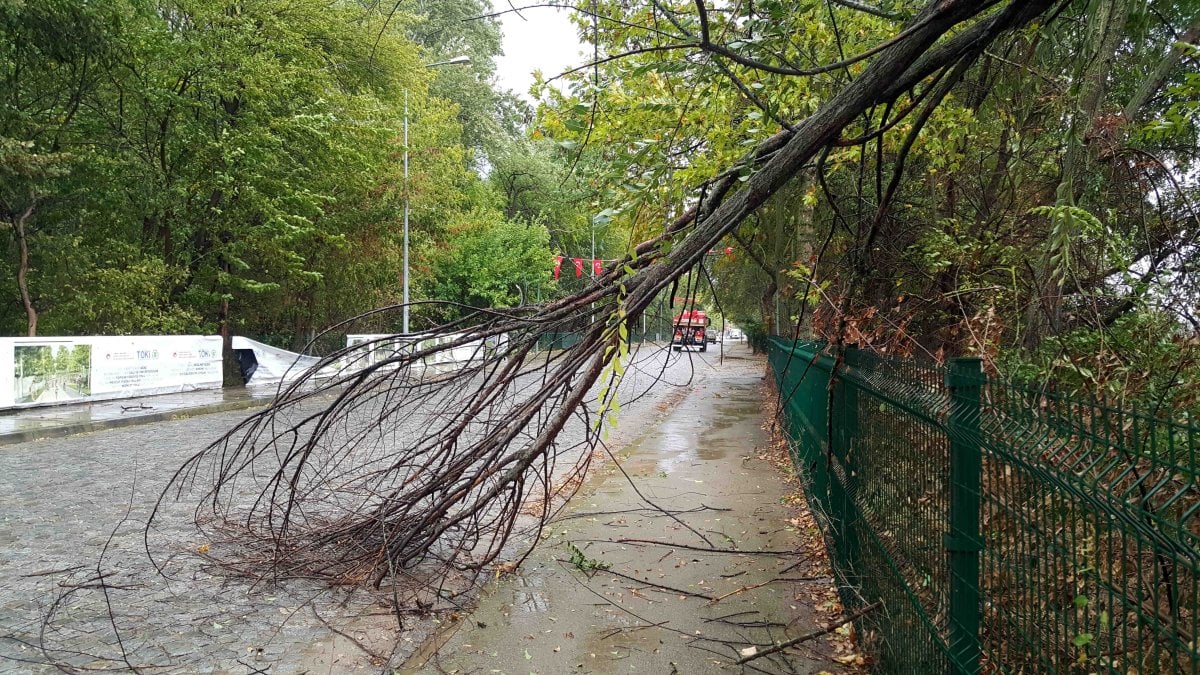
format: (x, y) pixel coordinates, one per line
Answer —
(458, 60)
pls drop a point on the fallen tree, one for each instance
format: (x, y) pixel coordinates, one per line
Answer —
(395, 469)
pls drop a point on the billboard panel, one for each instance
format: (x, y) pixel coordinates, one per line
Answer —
(48, 371)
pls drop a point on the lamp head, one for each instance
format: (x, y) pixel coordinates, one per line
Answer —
(456, 61)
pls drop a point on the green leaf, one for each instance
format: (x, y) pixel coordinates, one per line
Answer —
(604, 217)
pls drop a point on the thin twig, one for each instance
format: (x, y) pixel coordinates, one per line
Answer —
(809, 636)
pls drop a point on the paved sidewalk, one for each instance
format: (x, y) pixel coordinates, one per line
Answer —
(29, 424)
(645, 592)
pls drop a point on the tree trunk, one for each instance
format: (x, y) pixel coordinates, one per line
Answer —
(231, 370)
(23, 267)
(1107, 30)
(1158, 76)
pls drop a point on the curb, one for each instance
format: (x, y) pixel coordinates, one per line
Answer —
(17, 437)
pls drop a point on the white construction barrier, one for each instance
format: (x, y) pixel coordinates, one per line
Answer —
(378, 347)
(55, 371)
(264, 364)
(50, 371)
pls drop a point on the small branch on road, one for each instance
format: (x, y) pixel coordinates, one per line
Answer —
(661, 587)
(809, 636)
(48, 573)
(653, 542)
(592, 514)
(741, 590)
(366, 650)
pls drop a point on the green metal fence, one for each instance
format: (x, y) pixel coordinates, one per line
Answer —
(568, 340)
(999, 527)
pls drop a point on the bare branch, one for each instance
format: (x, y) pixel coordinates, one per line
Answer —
(868, 9)
(809, 636)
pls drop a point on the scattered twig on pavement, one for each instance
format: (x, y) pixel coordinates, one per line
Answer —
(661, 587)
(47, 573)
(725, 656)
(809, 636)
(741, 590)
(366, 650)
(703, 549)
(730, 616)
(796, 564)
(255, 670)
(631, 629)
(592, 514)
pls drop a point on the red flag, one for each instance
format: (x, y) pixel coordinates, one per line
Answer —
(578, 266)
(596, 268)
(557, 266)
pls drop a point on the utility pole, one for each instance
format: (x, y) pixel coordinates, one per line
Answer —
(405, 320)
(458, 60)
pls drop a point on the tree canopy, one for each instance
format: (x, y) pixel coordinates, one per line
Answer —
(1028, 195)
(203, 165)
(1013, 180)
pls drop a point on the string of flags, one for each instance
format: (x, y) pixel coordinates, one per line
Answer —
(598, 263)
(597, 266)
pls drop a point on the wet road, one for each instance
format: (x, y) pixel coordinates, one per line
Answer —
(624, 606)
(61, 499)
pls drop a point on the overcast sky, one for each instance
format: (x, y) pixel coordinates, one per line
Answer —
(544, 40)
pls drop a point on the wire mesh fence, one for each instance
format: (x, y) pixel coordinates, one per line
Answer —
(1000, 527)
(552, 341)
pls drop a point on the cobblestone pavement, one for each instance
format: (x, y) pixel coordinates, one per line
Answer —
(72, 511)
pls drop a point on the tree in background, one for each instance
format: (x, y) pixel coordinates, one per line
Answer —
(489, 264)
(206, 166)
(1034, 203)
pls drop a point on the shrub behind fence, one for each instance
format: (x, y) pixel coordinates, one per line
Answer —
(1001, 528)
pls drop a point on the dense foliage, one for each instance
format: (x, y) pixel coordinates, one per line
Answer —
(191, 165)
(1034, 203)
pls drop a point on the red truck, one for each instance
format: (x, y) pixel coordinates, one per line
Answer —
(691, 329)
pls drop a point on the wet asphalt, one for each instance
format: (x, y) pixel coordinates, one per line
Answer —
(591, 599)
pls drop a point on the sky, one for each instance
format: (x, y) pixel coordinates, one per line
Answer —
(544, 40)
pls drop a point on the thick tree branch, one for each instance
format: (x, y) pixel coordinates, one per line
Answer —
(865, 8)
(1159, 75)
(704, 39)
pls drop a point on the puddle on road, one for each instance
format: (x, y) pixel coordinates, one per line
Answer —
(703, 431)
(529, 599)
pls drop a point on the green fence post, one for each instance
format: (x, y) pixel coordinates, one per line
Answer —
(844, 491)
(963, 543)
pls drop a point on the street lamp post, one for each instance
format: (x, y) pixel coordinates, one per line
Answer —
(458, 60)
